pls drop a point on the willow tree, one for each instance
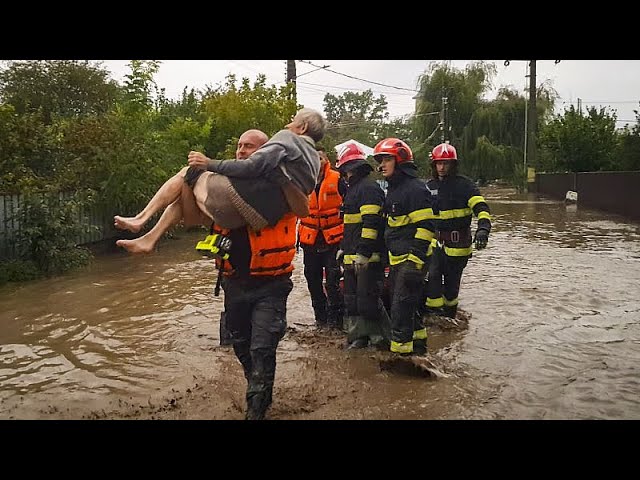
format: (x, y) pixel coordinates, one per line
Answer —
(450, 92)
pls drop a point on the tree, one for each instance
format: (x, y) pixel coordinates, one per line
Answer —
(354, 115)
(463, 90)
(575, 142)
(57, 88)
(629, 157)
(233, 110)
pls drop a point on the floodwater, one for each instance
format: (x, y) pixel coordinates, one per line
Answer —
(554, 333)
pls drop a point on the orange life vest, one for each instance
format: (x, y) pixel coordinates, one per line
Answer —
(324, 212)
(272, 248)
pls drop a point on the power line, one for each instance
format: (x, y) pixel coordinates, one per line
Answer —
(605, 101)
(360, 79)
(360, 89)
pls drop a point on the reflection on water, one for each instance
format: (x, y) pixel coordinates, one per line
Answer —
(554, 332)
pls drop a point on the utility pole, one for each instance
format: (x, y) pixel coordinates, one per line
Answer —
(291, 77)
(443, 117)
(532, 116)
(530, 119)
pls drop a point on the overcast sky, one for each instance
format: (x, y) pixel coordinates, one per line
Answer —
(612, 83)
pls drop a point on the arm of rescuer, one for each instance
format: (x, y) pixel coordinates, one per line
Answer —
(372, 222)
(421, 215)
(481, 210)
(266, 158)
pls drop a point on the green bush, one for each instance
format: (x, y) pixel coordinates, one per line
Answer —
(49, 229)
(18, 271)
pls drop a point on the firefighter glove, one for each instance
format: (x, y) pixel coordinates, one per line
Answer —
(481, 238)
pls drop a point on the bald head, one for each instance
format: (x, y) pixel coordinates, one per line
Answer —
(249, 142)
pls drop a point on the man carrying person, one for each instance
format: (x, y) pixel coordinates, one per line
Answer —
(284, 170)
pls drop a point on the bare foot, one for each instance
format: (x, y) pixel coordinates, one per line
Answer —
(139, 245)
(128, 223)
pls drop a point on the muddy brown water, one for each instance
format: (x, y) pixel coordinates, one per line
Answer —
(553, 334)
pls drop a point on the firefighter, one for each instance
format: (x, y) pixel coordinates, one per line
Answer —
(366, 321)
(320, 235)
(456, 199)
(408, 234)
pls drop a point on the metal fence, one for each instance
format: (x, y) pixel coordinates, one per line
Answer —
(10, 224)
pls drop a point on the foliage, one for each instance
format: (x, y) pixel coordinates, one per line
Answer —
(48, 228)
(16, 270)
(574, 142)
(29, 150)
(629, 156)
(233, 110)
(354, 116)
(57, 88)
(463, 91)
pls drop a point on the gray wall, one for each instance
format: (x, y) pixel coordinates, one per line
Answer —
(615, 192)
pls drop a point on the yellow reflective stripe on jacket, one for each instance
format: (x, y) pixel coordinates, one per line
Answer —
(348, 259)
(371, 233)
(422, 214)
(413, 217)
(352, 218)
(458, 252)
(396, 259)
(486, 215)
(399, 221)
(370, 209)
(451, 303)
(405, 257)
(473, 201)
(424, 234)
(415, 259)
(455, 213)
(406, 347)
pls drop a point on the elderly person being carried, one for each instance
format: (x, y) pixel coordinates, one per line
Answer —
(257, 192)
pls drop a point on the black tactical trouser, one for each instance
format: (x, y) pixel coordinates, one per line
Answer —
(327, 306)
(256, 318)
(445, 274)
(407, 283)
(368, 319)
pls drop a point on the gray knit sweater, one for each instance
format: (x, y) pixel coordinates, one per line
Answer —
(285, 156)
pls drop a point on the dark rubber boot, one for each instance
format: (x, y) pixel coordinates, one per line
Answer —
(450, 311)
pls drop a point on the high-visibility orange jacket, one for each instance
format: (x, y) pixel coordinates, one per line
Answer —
(324, 212)
(272, 248)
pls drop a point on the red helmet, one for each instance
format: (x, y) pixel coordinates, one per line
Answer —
(395, 147)
(350, 154)
(444, 151)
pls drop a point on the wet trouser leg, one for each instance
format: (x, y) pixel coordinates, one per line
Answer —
(454, 267)
(437, 264)
(370, 324)
(313, 272)
(256, 318)
(407, 283)
(373, 321)
(335, 298)
(350, 304)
